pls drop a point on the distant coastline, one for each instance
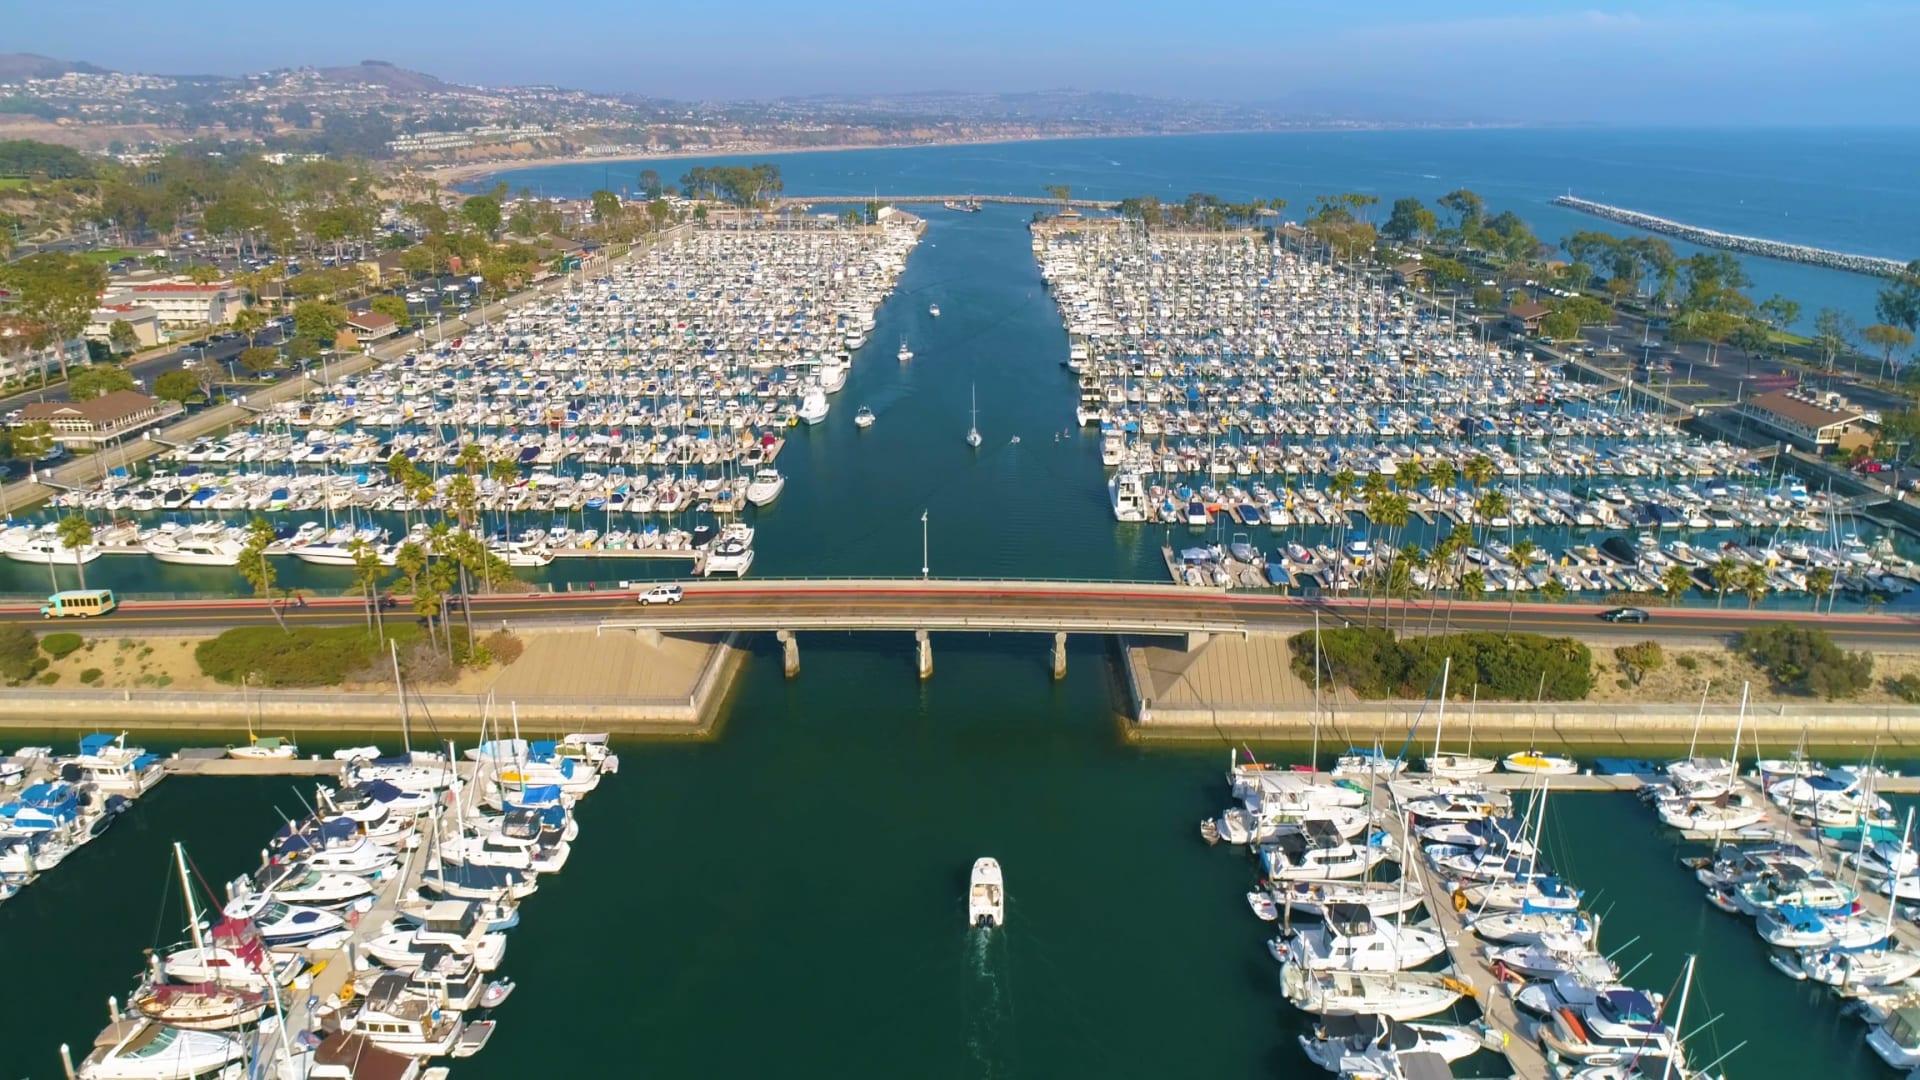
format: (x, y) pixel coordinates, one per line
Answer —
(462, 172)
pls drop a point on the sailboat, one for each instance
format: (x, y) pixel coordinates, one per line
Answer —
(905, 353)
(973, 431)
(1455, 766)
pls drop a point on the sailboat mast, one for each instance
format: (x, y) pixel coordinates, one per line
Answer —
(400, 688)
(186, 890)
(1739, 726)
(1698, 718)
(1686, 985)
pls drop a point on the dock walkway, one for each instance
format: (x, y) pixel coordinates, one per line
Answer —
(1466, 964)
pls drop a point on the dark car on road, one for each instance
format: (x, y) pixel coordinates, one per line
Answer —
(1626, 614)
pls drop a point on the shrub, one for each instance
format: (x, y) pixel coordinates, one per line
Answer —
(1802, 660)
(1687, 663)
(308, 656)
(1638, 661)
(17, 648)
(59, 646)
(91, 675)
(503, 646)
(1906, 688)
(1507, 668)
(49, 678)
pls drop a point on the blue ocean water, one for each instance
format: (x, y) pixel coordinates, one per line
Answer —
(1846, 189)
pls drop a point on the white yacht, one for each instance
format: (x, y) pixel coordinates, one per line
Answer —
(727, 556)
(863, 417)
(1897, 1039)
(1533, 761)
(766, 485)
(48, 549)
(1128, 495)
(832, 373)
(191, 550)
(1314, 850)
(1349, 938)
(813, 405)
(986, 896)
(933, 310)
(905, 353)
(147, 1050)
(1355, 1045)
(1397, 995)
(394, 1018)
(973, 430)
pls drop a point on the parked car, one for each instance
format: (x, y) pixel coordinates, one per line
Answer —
(663, 594)
(1626, 614)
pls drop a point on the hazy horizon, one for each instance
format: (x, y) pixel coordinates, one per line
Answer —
(1642, 62)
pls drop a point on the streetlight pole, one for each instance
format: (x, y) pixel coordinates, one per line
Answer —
(923, 545)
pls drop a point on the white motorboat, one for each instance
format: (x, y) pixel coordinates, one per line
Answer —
(1897, 1038)
(1128, 496)
(766, 485)
(1398, 995)
(187, 550)
(863, 417)
(933, 310)
(283, 925)
(1315, 851)
(405, 950)
(1597, 1025)
(1533, 761)
(1263, 906)
(1553, 955)
(986, 896)
(145, 1049)
(904, 354)
(1800, 928)
(1349, 938)
(1364, 1045)
(1879, 966)
(396, 1018)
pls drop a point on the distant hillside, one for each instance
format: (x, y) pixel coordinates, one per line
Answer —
(15, 67)
(382, 73)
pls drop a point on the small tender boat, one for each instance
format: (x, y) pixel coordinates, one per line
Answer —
(863, 417)
(986, 896)
(496, 992)
(1533, 761)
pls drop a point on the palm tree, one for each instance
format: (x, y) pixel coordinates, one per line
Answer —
(1819, 584)
(366, 575)
(1523, 550)
(1479, 470)
(1407, 475)
(1724, 573)
(1675, 581)
(75, 532)
(1754, 584)
(1440, 475)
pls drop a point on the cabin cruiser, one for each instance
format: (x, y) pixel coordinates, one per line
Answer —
(1457, 804)
(1880, 965)
(370, 801)
(863, 417)
(1349, 938)
(106, 762)
(1797, 884)
(766, 486)
(495, 916)
(1597, 1025)
(283, 925)
(813, 405)
(520, 843)
(1314, 850)
(294, 882)
(393, 1017)
(1552, 955)
(1363, 764)
(986, 896)
(1362, 1045)
(1897, 1038)
(448, 924)
(1128, 497)
(1791, 927)
(142, 1049)
(1397, 995)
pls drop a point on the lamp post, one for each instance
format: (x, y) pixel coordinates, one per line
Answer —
(923, 545)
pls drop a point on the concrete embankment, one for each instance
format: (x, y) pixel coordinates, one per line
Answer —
(1745, 245)
(1235, 689)
(566, 681)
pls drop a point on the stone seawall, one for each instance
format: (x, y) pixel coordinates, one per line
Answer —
(1745, 245)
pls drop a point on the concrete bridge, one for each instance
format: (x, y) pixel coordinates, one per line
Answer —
(922, 606)
(1007, 200)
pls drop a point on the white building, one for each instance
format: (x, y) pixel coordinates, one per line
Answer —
(183, 305)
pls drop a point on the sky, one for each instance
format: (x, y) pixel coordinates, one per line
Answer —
(1639, 62)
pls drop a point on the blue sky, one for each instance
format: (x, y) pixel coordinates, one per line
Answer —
(1608, 61)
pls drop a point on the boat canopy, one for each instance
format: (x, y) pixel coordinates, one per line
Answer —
(96, 743)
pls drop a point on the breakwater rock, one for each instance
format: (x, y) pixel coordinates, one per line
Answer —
(1745, 245)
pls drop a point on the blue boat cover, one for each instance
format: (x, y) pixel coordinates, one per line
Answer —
(95, 743)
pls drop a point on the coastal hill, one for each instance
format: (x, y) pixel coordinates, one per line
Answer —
(19, 67)
(382, 73)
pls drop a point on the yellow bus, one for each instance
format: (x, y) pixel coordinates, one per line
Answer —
(79, 603)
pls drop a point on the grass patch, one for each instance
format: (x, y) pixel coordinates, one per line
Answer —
(104, 256)
(12, 183)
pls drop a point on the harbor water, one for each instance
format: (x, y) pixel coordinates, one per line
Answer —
(790, 898)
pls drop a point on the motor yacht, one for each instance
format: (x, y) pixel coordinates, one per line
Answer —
(863, 417)
(766, 486)
(1315, 851)
(1349, 938)
(986, 896)
(142, 1049)
(1364, 1045)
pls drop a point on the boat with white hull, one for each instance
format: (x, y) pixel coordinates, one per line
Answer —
(986, 896)
(1398, 995)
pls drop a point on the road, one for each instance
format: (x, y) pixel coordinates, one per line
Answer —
(1007, 607)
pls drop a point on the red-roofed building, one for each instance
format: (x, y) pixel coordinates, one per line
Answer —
(102, 419)
(370, 326)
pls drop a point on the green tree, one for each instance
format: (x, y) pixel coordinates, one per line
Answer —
(1440, 475)
(121, 335)
(1831, 329)
(367, 572)
(1779, 312)
(1819, 584)
(1886, 337)
(393, 307)
(28, 442)
(97, 379)
(175, 385)
(606, 207)
(1805, 660)
(1640, 660)
(1726, 576)
(650, 184)
(248, 321)
(1409, 220)
(259, 359)
(255, 568)
(318, 322)
(1899, 303)
(75, 533)
(483, 213)
(54, 294)
(1487, 297)
(1560, 326)
(1675, 581)
(1479, 470)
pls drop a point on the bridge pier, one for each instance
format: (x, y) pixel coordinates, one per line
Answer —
(1060, 654)
(923, 647)
(790, 651)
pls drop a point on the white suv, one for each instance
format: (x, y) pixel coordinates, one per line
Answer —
(663, 594)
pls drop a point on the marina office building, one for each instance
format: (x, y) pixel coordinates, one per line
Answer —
(1810, 421)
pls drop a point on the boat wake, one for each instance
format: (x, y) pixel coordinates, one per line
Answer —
(988, 1003)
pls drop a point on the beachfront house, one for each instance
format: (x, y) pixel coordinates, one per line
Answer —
(1810, 420)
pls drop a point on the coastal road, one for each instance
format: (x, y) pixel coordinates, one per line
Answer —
(1007, 607)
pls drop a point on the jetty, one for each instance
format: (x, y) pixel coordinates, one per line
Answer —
(1746, 245)
(942, 200)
